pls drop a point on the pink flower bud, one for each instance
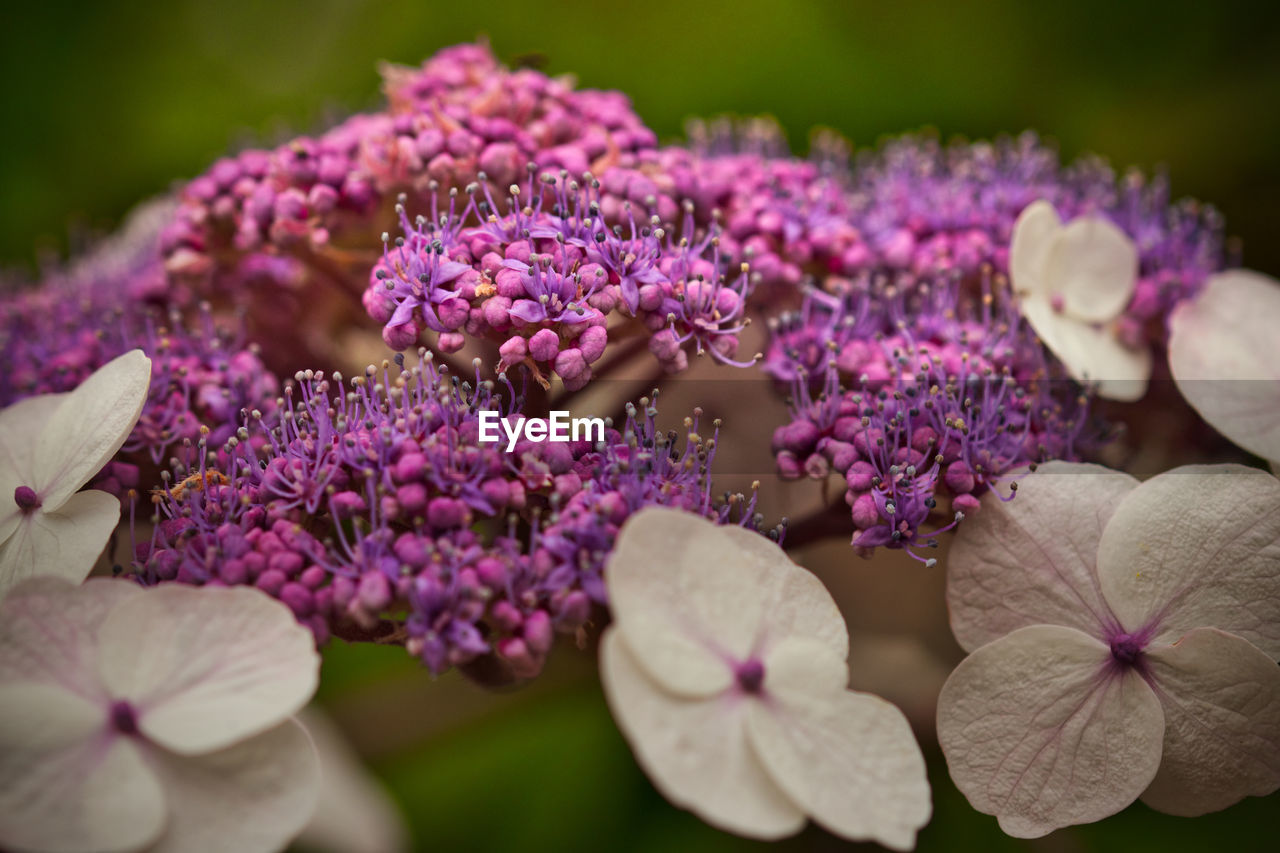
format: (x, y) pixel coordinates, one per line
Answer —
(544, 345)
(513, 351)
(864, 512)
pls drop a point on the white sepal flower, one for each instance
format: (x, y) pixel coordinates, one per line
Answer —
(1123, 639)
(49, 447)
(1224, 353)
(155, 719)
(725, 669)
(1073, 281)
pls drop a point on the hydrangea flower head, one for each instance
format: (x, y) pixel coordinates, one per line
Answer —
(725, 668)
(1123, 641)
(50, 446)
(160, 720)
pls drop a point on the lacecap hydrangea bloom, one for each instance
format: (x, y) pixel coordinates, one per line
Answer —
(568, 233)
(557, 250)
(940, 318)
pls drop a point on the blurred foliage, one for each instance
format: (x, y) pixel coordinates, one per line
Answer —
(106, 104)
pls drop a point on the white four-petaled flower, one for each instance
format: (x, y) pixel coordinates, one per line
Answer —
(1073, 281)
(725, 669)
(1123, 642)
(1224, 353)
(50, 446)
(152, 718)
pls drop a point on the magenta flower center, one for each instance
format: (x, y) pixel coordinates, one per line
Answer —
(123, 718)
(1126, 649)
(750, 675)
(26, 499)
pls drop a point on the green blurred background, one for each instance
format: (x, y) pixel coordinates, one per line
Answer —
(106, 104)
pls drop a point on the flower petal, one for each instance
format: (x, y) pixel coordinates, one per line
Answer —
(354, 814)
(797, 603)
(1094, 266)
(1091, 354)
(528, 310)
(252, 796)
(21, 426)
(1225, 357)
(1197, 547)
(695, 751)
(90, 426)
(1033, 236)
(1221, 698)
(65, 543)
(1038, 731)
(49, 632)
(22, 423)
(848, 759)
(66, 782)
(798, 665)
(693, 597)
(1030, 560)
(207, 667)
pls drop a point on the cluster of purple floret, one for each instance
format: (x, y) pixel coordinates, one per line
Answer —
(911, 412)
(912, 375)
(541, 281)
(507, 216)
(204, 373)
(375, 510)
(926, 209)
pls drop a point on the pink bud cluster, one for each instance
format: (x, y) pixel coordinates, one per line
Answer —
(542, 280)
(458, 115)
(788, 218)
(203, 372)
(925, 209)
(910, 413)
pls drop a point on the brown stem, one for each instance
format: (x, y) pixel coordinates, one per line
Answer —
(330, 272)
(384, 632)
(830, 521)
(633, 390)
